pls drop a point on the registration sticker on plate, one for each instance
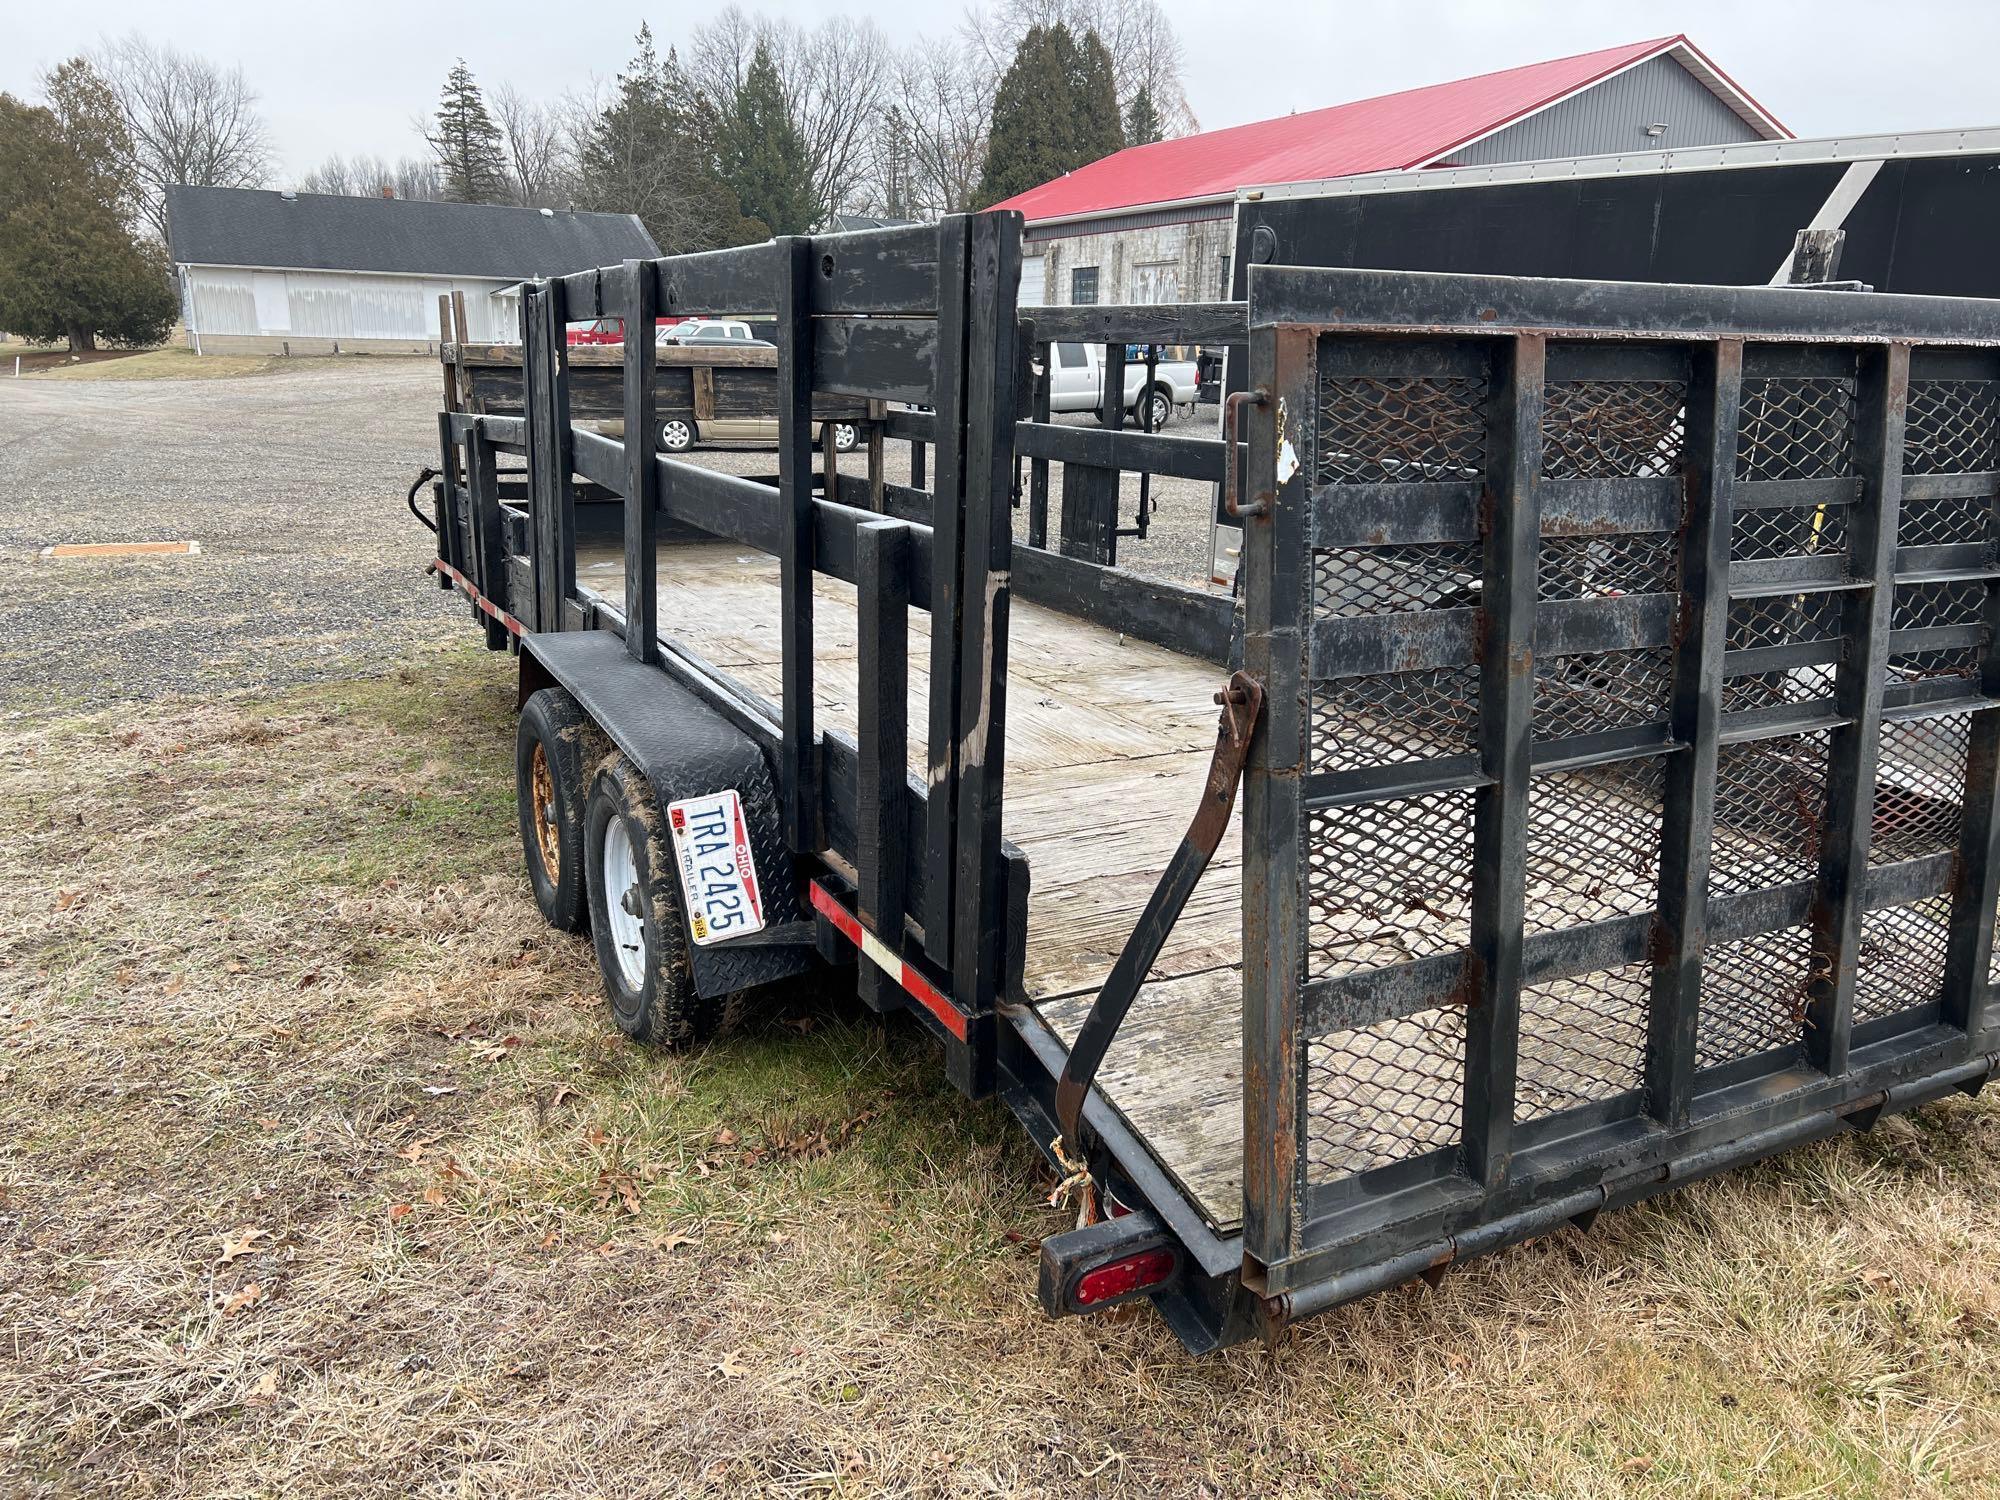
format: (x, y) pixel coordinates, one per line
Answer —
(718, 872)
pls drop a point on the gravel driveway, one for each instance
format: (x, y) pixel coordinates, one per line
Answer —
(292, 484)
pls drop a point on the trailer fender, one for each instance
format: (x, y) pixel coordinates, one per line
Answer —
(685, 748)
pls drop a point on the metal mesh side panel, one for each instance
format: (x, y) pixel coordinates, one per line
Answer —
(1593, 845)
(1901, 959)
(1796, 428)
(1613, 429)
(1753, 995)
(1387, 882)
(1770, 813)
(1401, 430)
(1393, 717)
(1385, 1093)
(1609, 690)
(1952, 427)
(1583, 1038)
(1919, 781)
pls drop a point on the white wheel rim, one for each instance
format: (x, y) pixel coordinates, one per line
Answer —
(620, 874)
(843, 435)
(677, 435)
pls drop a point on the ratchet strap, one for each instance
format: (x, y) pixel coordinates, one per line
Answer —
(1242, 700)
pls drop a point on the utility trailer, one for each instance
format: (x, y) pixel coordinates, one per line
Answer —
(1611, 689)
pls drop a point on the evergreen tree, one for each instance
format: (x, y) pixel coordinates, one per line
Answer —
(1093, 87)
(652, 151)
(471, 158)
(1142, 121)
(764, 157)
(1056, 110)
(70, 266)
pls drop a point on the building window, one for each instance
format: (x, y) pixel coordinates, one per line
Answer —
(1224, 295)
(1082, 286)
(1157, 281)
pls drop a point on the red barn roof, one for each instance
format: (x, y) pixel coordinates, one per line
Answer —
(1415, 128)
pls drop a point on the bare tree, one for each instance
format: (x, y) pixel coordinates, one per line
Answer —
(538, 147)
(191, 121)
(1145, 49)
(373, 177)
(836, 79)
(935, 140)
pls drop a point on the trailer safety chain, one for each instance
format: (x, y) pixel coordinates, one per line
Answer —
(1241, 701)
(424, 477)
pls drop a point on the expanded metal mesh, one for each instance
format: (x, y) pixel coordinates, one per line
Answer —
(1952, 427)
(1392, 717)
(1609, 690)
(1753, 995)
(1901, 958)
(1770, 813)
(1387, 882)
(1783, 620)
(1613, 429)
(1793, 428)
(1583, 1038)
(1350, 581)
(1604, 567)
(1391, 430)
(1381, 1094)
(1919, 781)
(1760, 533)
(1593, 847)
(1950, 520)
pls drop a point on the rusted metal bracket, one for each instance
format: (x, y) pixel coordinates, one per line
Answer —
(1242, 701)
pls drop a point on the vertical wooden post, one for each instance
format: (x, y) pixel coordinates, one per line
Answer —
(1840, 895)
(1276, 602)
(877, 475)
(881, 815)
(551, 463)
(947, 522)
(1708, 470)
(642, 474)
(800, 751)
(1511, 513)
(992, 368)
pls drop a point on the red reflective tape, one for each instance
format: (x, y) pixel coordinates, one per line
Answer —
(479, 600)
(889, 962)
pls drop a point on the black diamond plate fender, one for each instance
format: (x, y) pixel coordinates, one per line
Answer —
(686, 749)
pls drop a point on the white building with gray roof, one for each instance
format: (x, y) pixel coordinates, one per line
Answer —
(315, 273)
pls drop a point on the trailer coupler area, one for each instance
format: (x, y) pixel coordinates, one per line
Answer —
(1103, 1264)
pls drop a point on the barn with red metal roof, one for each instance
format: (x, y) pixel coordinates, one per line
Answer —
(1151, 223)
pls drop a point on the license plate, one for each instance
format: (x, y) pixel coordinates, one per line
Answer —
(718, 872)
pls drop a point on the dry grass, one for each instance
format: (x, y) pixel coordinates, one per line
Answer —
(269, 966)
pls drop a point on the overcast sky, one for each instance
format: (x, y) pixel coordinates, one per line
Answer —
(349, 77)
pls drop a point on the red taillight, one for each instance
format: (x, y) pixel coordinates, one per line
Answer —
(1119, 1278)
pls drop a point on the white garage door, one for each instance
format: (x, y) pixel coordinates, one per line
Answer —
(1032, 284)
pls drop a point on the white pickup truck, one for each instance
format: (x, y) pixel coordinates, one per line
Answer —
(1076, 383)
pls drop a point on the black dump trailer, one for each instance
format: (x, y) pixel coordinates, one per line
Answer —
(1611, 689)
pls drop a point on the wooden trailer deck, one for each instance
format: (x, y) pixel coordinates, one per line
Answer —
(1108, 741)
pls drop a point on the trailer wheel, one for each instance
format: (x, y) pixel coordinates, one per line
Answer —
(554, 749)
(676, 435)
(635, 914)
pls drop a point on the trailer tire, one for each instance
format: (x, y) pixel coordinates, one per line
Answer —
(555, 747)
(635, 914)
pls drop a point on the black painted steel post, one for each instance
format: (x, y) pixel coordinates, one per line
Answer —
(642, 475)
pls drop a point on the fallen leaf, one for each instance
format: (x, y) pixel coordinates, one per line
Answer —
(609, 1247)
(732, 1366)
(434, 1195)
(399, 1211)
(308, 979)
(268, 1385)
(725, 1137)
(415, 1150)
(67, 899)
(242, 1299)
(672, 1240)
(547, 1240)
(619, 1185)
(175, 985)
(245, 1241)
(266, 1122)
